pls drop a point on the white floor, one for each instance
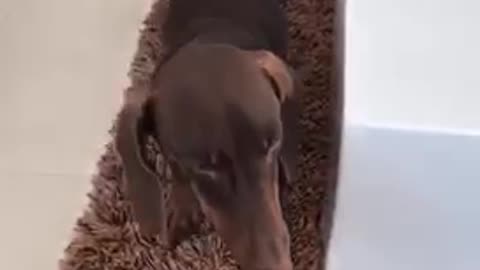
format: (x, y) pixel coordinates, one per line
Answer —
(62, 66)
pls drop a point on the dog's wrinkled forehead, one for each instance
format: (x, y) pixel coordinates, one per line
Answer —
(216, 98)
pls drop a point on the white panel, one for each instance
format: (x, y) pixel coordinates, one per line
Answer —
(408, 196)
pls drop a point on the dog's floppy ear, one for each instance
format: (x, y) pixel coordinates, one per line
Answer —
(184, 209)
(288, 157)
(141, 183)
(285, 83)
(280, 74)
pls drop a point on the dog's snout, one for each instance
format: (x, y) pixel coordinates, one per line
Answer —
(284, 264)
(278, 267)
(279, 246)
(270, 252)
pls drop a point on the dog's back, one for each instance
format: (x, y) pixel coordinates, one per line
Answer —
(248, 24)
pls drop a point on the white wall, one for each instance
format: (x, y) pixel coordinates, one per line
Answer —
(413, 63)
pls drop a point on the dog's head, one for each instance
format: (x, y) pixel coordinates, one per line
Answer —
(216, 111)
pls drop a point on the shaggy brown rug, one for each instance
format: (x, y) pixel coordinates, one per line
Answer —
(106, 236)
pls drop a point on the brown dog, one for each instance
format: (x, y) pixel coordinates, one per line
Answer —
(222, 110)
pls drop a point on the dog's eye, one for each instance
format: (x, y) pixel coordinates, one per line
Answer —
(271, 144)
(211, 165)
(206, 173)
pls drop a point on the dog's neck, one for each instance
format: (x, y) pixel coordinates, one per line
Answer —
(217, 31)
(214, 31)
